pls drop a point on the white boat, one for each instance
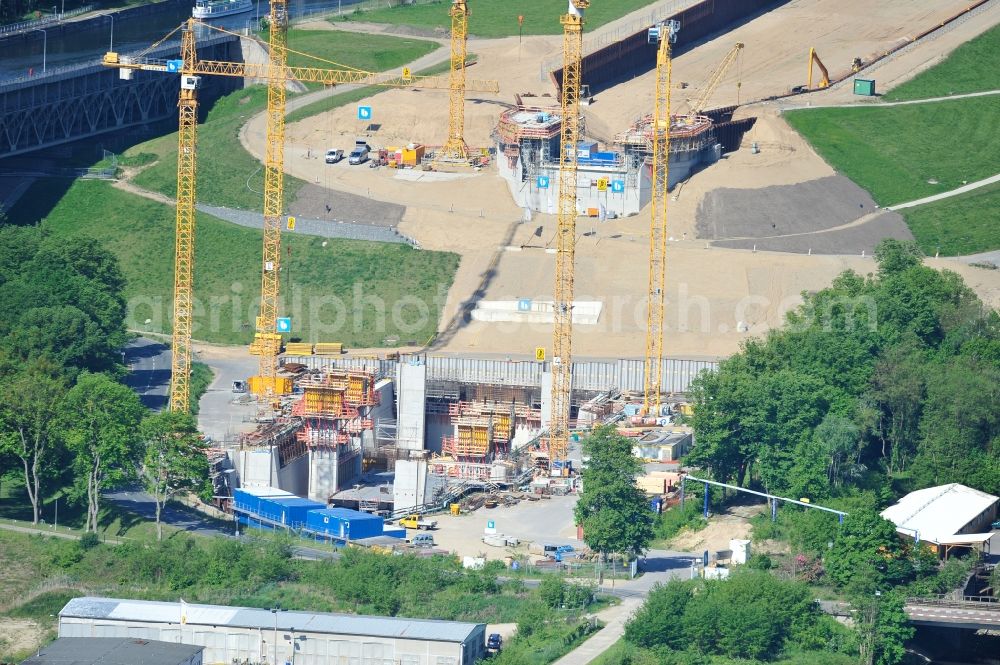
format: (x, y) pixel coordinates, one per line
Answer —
(215, 8)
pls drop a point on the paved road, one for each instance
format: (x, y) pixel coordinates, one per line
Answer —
(149, 362)
(944, 195)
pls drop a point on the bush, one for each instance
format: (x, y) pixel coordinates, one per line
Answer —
(760, 561)
(551, 590)
(89, 541)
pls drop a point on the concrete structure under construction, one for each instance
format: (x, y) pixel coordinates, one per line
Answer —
(613, 182)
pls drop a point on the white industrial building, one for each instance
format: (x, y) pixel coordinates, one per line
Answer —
(239, 634)
(945, 516)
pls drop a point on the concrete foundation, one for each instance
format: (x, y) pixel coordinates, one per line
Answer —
(332, 469)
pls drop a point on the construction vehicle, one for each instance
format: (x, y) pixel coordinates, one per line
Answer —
(823, 82)
(708, 89)
(415, 521)
(569, 137)
(267, 341)
(666, 34)
(857, 65)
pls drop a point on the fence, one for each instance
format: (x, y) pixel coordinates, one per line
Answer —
(48, 20)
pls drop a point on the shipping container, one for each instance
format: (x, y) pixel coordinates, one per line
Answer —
(344, 524)
(247, 499)
(287, 511)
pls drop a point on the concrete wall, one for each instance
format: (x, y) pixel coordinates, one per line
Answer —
(228, 644)
(410, 483)
(294, 477)
(331, 470)
(411, 388)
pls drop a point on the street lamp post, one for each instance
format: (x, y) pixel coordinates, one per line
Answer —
(274, 611)
(45, 46)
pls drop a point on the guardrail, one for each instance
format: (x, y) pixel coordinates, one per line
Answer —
(964, 602)
(11, 28)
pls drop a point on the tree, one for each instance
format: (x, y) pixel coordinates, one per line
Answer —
(882, 627)
(102, 418)
(613, 511)
(31, 406)
(174, 460)
(867, 554)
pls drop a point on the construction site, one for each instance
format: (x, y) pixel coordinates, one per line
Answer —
(574, 176)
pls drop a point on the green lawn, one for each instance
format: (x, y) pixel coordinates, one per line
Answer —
(972, 67)
(350, 291)
(894, 152)
(965, 224)
(356, 95)
(353, 50)
(499, 19)
(228, 175)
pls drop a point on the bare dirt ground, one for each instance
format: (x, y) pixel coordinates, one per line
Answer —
(733, 524)
(713, 290)
(19, 636)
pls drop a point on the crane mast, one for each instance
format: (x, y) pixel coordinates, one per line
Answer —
(187, 137)
(562, 339)
(455, 146)
(267, 340)
(715, 79)
(666, 33)
(277, 72)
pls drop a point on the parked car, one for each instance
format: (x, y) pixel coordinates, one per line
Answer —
(995, 525)
(422, 540)
(494, 642)
(359, 155)
(334, 155)
(417, 522)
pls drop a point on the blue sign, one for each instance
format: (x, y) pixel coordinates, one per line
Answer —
(364, 113)
(617, 186)
(174, 66)
(543, 182)
(490, 524)
(284, 324)
(524, 305)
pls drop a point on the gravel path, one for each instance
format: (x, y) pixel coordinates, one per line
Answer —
(851, 239)
(814, 205)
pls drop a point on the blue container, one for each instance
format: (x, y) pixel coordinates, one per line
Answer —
(344, 524)
(247, 499)
(394, 532)
(290, 512)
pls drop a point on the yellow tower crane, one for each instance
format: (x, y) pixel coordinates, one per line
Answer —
(267, 340)
(666, 34)
(456, 147)
(569, 137)
(698, 105)
(190, 69)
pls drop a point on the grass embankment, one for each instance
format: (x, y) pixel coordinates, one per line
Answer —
(903, 153)
(356, 95)
(41, 574)
(970, 68)
(623, 653)
(964, 224)
(337, 49)
(496, 19)
(351, 291)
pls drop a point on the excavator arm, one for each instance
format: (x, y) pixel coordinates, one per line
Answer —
(813, 58)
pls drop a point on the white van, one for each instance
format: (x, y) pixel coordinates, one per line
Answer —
(422, 540)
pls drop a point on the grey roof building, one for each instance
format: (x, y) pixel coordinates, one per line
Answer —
(115, 651)
(296, 638)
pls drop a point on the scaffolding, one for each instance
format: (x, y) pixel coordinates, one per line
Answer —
(687, 134)
(335, 407)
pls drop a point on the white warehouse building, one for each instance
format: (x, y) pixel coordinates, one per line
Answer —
(240, 634)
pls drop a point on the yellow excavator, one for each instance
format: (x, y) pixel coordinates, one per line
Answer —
(823, 82)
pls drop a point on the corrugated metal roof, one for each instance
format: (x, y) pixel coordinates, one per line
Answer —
(246, 617)
(112, 651)
(937, 513)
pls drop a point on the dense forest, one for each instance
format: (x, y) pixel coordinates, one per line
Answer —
(887, 383)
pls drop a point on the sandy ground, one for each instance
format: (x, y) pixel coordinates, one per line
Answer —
(713, 289)
(720, 530)
(19, 636)
(545, 521)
